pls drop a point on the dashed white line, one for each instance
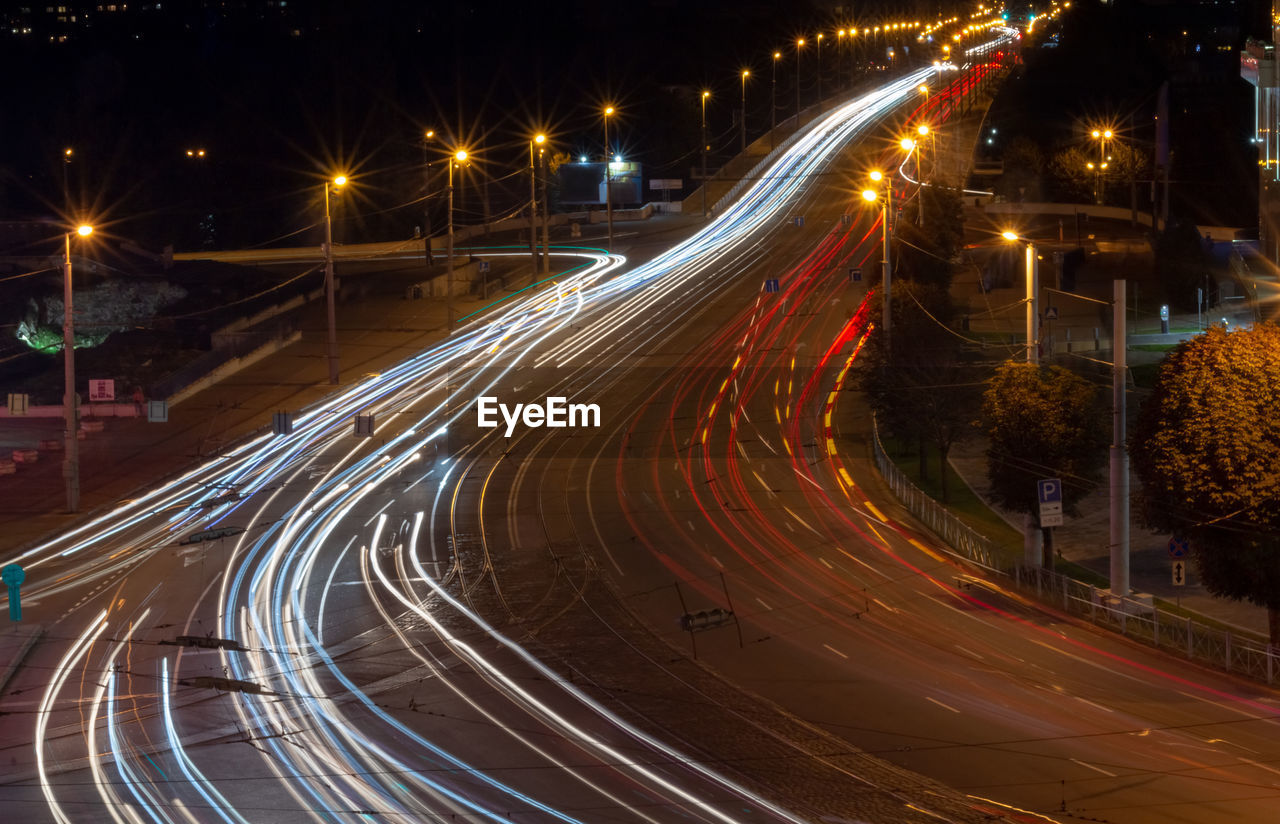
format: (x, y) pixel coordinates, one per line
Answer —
(1095, 769)
(836, 651)
(940, 704)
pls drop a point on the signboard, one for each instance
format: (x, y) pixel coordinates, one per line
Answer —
(484, 267)
(855, 274)
(798, 220)
(364, 426)
(1051, 313)
(1049, 492)
(660, 183)
(771, 285)
(157, 411)
(102, 390)
(281, 423)
(1179, 573)
(18, 403)
(1179, 547)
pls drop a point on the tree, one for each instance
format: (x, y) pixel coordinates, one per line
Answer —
(1206, 447)
(1023, 171)
(1043, 422)
(924, 395)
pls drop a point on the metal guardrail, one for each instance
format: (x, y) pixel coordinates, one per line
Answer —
(964, 540)
(1142, 621)
(1232, 652)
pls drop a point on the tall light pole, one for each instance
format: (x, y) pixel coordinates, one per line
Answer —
(773, 99)
(458, 157)
(546, 214)
(799, 46)
(427, 137)
(923, 131)
(819, 71)
(1033, 295)
(71, 445)
(839, 56)
(886, 264)
(743, 142)
(705, 95)
(537, 140)
(608, 193)
(1102, 136)
(331, 347)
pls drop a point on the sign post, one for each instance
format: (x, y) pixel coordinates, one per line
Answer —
(1049, 491)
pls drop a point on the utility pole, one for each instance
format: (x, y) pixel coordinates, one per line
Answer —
(1119, 455)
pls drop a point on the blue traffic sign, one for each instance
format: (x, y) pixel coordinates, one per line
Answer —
(1049, 490)
(1179, 547)
(771, 285)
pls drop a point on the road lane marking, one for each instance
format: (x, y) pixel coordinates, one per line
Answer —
(1093, 704)
(940, 704)
(826, 562)
(763, 604)
(1095, 769)
(836, 651)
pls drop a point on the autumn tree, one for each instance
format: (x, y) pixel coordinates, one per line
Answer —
(1042, 422)
(1206, 447)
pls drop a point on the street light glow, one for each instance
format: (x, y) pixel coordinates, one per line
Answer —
(461, 155)
(540, 139)
(84, 230)
(1009, 235)
(922, 130)
(907, 144)
(877, 175)
(608, 110)
(868, 195)
(340, 180)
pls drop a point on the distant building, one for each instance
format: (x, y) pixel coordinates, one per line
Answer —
(1258, 66)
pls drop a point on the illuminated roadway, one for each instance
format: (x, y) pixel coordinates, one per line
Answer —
(443, 624)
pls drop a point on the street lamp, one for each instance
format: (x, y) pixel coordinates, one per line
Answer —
(71, 446)
(331, 348)
(1102, 136)
(537, 140)
(1033, 292)
(819, 71)
(886, 264)
(743, 142)
(608, 194)
(773, 99)
(705, 95)
(427, 137)
(459, 157)
(799, 46)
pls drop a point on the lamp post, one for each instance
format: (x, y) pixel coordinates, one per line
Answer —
(608, 193)
(799, 46)
(839, 58)
(886, 264)
(1033, 294)
(546, 214)
(742, 143)
(773, 99)
(427, 137)
(331, 347)
(705, 95)
(459, 156)
(819, 71)
(537, 140)
(71, 446)
(1102, 136)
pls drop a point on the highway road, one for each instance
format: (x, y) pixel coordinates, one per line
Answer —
(442, 622)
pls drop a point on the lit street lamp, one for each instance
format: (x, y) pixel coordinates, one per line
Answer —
(886, 264)
(608, 193)
(331, 347)
(799, 46)
(1102, 136)
(459, 156)
(538, 140)
(819, 71)
(773, 99)
(743, 142)
(705, 95)
(71, 446)
(427, 137)
(1033, 292)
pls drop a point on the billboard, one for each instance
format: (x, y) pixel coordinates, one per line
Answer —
(582, 184)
